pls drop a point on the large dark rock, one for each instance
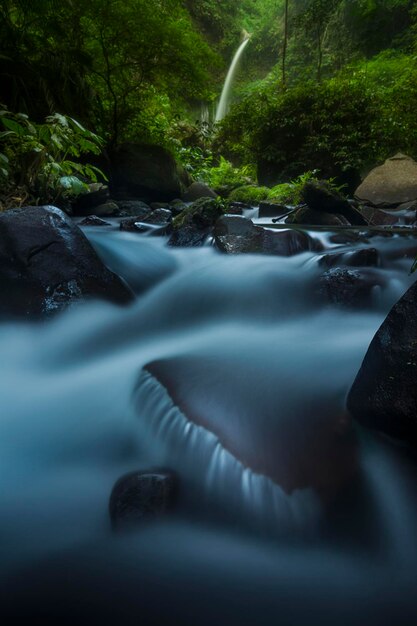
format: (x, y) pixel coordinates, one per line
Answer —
(320, 196)
(307, 217)
(197, 191)
(390, 184)
(141, 496)
(366, 257)
(149, 173)
(349, 287)
(46, 263)
(384, 394)
(234, 235)
(194, 224)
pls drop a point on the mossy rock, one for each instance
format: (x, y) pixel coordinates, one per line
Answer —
(201, 214)
(250, 194)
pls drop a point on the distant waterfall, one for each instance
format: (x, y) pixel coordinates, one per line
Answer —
(227, 88)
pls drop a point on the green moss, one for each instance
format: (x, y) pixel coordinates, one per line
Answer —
(250, 194)
(202, 213)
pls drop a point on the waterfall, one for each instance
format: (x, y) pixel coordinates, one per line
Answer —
(227, 88)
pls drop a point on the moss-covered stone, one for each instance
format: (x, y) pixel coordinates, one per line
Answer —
(202, 213)
(250, 194)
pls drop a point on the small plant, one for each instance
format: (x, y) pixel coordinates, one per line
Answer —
(226, 175)
(290, 193)
(39, 160)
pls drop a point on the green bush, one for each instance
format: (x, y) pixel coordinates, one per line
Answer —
(250, 194)
(226, 175)
(39, 159)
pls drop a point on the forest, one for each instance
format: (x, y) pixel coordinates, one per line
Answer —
(208, 312)
(324, 86)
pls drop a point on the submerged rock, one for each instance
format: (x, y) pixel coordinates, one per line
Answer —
(141, 496)
(46, 263)
(147, 172)
(384, 394)
(390, 184)
(236, 235)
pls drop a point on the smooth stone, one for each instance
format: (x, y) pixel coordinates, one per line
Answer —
(390, 184)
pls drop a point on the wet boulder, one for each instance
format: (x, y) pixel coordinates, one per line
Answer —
(272, 209)
(194, 224)
(149, 173)
(366, 257)
(236, 235)
(141, 496)
(93, 220)
(384, 394)
(159, 217)
(46, 263)
(132, 208)
(349, 287)
(378, 217)
(198, 190)
(308, 217)
(321, 197)
(390, 184)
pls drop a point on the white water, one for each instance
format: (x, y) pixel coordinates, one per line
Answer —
(252, 347)
(224, 102)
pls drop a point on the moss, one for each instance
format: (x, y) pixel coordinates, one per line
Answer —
(202, 213)
(249, 194)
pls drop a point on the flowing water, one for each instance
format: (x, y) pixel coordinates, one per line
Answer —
(224, 102)
(252, 347)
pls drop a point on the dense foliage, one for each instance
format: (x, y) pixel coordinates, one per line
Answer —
(339, 100)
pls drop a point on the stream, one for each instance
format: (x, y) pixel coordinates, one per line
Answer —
(250, 345)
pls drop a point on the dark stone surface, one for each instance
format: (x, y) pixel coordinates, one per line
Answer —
(308, 217)
(85, 203)
(367, 257)
(192, 227)
(149, 173)
(188, 237)
(141, 496)
(132, 208)
(177, 206)
(93, 220)
(197, 191)
(46, 262)
(159, 216)
(236, 235)
(272, 209)
(133, 225)
(319, 196)
(384, 394)
(348, 287)
(377, 217)
(108, 209)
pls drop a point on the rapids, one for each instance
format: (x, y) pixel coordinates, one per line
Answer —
(255, 347)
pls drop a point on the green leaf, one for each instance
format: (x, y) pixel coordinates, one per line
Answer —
(13, 126)
(73, 185)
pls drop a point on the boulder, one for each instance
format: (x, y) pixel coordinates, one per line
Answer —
(378, 217)
(141, 496)
(348, 287)
(321, 197)
(197, 191)
(390, 184)
(97, 194)
(108, 209)
(149, 173)
(366, 257)
(384, 394)
(46, 263)
(159, 216)
(93, 220)
(235, 235)
(132, 208)
(272, 209)
(193, 225)
(308, 217)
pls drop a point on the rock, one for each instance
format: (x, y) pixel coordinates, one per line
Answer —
(390, 184)
(272, 209)
(141, 496)
(237, 208)
(367, 257)
(149, 173)
(319, 196)
(377, 217)
(159, 216)
(193, 225)
(133, 225)
(384, 394)
(235, 235)
(197, 191)
(307, 217)
(132, 208)
(93, 220)
(108, 209)
(348, 287)
(188, 237)
(177, 206)
(96, 195)
(46, 263)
